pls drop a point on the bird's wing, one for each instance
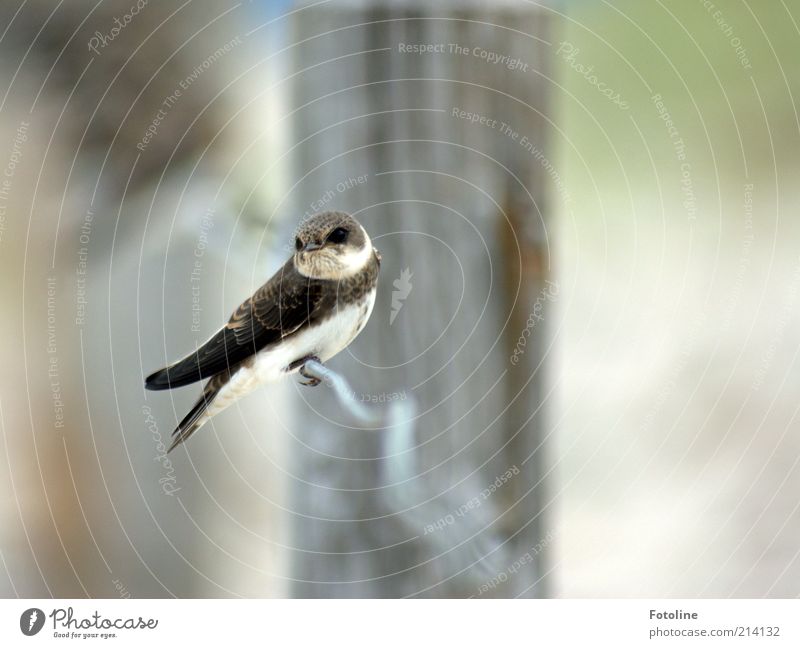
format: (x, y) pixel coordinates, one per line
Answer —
(280, 307)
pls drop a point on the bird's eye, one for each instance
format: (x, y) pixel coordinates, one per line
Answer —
(298, 244)
(339, 235)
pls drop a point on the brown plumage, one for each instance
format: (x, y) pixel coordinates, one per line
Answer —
(326, 278)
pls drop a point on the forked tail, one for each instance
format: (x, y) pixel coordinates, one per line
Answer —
(195, 418)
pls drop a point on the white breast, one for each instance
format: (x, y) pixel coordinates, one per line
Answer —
(324, 340)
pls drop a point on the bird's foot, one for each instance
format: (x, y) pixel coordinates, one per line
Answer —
(311, 381)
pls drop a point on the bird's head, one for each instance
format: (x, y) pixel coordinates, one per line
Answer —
(331, 245)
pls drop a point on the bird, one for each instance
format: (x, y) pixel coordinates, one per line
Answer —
(310, 309)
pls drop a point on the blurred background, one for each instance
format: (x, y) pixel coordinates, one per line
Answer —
(584, 349)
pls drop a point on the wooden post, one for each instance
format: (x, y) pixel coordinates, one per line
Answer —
(427, 123)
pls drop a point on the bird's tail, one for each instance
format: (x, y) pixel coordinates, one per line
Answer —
(195, 418)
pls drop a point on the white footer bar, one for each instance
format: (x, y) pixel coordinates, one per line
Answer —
(617, 623)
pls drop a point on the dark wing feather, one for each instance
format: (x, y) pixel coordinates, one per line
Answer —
(280, 307)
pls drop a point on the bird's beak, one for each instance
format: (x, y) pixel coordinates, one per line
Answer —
(308, 247)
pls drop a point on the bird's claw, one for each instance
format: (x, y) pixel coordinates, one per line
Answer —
(312, 381)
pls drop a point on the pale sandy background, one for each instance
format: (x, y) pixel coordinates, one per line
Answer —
(674, 441)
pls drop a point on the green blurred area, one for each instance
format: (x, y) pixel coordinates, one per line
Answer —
(737, 123)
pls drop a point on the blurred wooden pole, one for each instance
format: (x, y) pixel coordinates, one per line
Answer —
(408, 116)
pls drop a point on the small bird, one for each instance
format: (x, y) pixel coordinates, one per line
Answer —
(311, 309)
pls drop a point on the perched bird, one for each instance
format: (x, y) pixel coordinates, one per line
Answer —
(311, 309)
